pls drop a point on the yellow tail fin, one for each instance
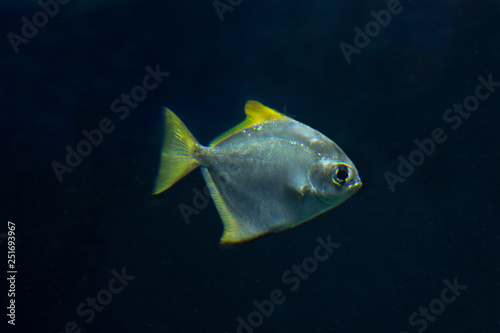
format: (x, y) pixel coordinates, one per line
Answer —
(176, 159)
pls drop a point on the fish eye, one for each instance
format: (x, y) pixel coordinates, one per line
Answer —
(340, 175)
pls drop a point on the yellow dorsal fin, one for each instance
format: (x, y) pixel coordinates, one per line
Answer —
(256, 114)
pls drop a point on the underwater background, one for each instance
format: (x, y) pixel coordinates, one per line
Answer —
(410, 90)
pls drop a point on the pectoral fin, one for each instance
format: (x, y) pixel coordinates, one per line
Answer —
(298, 193)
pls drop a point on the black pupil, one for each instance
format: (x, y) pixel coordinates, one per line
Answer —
(342, 174)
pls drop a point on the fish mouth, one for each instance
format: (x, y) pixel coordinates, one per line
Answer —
(355, 185)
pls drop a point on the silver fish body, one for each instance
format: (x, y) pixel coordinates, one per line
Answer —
(267, 174)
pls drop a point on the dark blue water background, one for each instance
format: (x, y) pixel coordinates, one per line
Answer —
(397, 247)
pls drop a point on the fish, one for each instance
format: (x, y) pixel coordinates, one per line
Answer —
(265, 175)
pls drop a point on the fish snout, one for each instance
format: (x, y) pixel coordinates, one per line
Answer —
(355, 184)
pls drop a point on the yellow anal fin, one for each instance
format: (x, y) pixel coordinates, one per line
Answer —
(235, 230)
(256, 113)
(176, 159)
